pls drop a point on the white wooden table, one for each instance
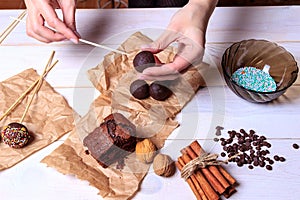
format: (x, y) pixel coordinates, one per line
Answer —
(212, 106)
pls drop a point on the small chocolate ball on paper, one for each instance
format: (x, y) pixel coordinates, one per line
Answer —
(163, 165)
(143, 60)
(159, 90)
(139, 89)
(15, 135)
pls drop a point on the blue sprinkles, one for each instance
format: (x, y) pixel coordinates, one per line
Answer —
(255, 79)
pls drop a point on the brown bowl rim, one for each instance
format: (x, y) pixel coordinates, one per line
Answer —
(259, 40)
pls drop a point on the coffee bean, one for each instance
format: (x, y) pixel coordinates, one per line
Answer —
(216, 139)
(262, 138)
(276, 157)
(262, 164)
(254, 149)
(271, 162)
(229, 141)
(269, 167)
(281, 159)
(219, 127)
(218, 133)
(295, 146)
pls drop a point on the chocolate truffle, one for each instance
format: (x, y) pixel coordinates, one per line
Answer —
(15, 135)
(143, 60)
(139, 89)
(159, 90)
(112, 141)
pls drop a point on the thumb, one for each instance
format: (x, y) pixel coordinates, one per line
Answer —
(162, 42)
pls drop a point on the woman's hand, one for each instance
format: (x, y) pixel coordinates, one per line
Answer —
(43, 11)
(188, 28)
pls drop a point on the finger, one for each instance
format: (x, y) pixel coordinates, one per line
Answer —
(159, 71)
(158, 78)
(35, 28)
(189, 51)
(174, 67)
(53, 21)
(69, 14)
(162, 42)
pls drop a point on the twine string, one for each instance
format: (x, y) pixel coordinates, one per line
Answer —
(202, 161)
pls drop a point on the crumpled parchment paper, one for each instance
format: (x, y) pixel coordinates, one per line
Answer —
(49, 117)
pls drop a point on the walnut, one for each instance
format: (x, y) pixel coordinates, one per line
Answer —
(145, 151)
(163, 165)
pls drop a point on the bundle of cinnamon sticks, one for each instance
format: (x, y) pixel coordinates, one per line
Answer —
(210, 182)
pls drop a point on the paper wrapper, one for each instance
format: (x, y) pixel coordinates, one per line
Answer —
(153, 119)
(49, 117)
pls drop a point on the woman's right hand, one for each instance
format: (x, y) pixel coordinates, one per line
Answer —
(40, 12)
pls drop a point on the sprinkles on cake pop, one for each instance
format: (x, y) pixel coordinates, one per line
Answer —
(15, 135)
(255, 79)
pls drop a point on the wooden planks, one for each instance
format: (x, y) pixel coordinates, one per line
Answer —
(211, 106)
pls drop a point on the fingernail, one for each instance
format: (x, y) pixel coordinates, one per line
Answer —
(74, 41)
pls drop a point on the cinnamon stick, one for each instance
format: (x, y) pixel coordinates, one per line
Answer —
(207, 173)
(195, 146)
(192, 183)
(216, 172)
(229, 178)
(207, 188)
(230, 191)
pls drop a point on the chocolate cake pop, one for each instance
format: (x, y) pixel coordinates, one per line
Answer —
(15, 135)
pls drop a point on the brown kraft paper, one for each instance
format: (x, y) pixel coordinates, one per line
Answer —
(49, 117)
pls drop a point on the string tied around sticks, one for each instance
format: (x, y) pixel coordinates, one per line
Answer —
(202, 161)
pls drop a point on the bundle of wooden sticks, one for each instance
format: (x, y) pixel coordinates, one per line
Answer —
(207, 183)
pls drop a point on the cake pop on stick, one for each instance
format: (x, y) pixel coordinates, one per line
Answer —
(15, 134)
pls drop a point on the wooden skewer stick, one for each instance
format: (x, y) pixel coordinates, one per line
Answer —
(40, 81)
(103, 47)
(18, 101)
(11, 27)
(86, 41)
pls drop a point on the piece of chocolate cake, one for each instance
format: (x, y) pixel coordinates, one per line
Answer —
(112, 141)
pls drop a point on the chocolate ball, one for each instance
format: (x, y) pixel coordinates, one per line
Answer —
(139, 89)
(15, 135)
(159, 90)
(143, 60)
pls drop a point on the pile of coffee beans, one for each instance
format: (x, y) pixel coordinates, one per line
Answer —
(248, 149)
